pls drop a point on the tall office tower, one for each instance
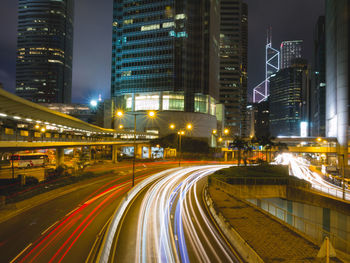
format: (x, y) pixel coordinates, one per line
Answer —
(290, 50)
(337, 73)
(233, 64)
(272, 65)
(165, 56)
(289, 95)
(262, 119)
(44, 50)
(160, 55)
(318, 92)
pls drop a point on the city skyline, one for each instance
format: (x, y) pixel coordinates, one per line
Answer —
(91, 70)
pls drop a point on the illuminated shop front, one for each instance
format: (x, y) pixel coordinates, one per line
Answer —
(167, 101)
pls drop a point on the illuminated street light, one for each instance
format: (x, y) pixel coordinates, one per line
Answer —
(120, 126)
(319, 139)
(189, 126)
(37, 126)
(93, 103)
(151, 114)
(119, 113)
(43, 129)
(214, 131)
(172, 126)
(181, 133)
(220, 139)
(226, 131)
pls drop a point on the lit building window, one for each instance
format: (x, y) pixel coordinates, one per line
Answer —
(146, 102)
(168, 24)
(180, 16)
(128, 21)
(173, 101)
(150, 27)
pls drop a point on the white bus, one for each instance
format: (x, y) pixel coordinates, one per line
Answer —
(28, 160)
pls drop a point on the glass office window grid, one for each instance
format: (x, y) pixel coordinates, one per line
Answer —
(201, 103)
(290, 50)
(174, 101)
(154, 51)
(44, 50)
(233, 64)
(286, 102)
(142, 58)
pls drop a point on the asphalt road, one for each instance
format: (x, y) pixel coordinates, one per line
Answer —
(38, 172)
(65, 229)
(168, 222)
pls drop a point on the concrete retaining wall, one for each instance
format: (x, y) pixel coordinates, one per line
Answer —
(245, 251)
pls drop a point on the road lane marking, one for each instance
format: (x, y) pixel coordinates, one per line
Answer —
(47, 229)
(13, 260)
(73, 210)
(97, 240)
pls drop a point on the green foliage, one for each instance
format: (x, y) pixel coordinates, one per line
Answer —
(264, 170)
(189, 144)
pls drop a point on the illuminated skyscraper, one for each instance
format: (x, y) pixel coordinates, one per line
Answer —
(337, 74)
(318, 92)
(44, 50)
(234, 64)
(290, 50)
(289, 112)
(272, 65)
(164, 55)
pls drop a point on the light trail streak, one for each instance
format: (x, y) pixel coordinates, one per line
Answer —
(170, 224)
(71, 223)
(301, 170)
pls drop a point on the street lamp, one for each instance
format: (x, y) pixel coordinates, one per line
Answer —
(151, 114)
(180, 133)
(226, 131)
(120, 126)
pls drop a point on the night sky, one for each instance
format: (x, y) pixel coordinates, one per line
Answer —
(290, 20)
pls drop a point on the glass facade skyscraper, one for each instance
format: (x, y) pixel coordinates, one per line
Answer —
(318, 97)
(163, 55)
(289, 100)
(290, 50)
(44, 50)
(234, 64)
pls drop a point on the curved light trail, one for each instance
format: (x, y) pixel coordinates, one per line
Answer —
(301, 170)
(172, 226)
(60, 240)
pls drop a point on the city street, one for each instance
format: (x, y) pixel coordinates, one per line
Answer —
(65, 228)
(168, 222)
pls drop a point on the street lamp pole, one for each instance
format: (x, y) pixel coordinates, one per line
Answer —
(343, 177)
(180, 148)
(120, 114)
(133, 160)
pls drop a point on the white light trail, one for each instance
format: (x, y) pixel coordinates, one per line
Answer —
(168, 222)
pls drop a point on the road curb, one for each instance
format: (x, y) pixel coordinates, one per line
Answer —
(243, 248)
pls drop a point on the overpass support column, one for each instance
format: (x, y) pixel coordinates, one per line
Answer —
(225, 155)
(59, 156)
(114, 153)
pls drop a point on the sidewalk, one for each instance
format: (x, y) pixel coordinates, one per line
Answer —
(270, 239)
